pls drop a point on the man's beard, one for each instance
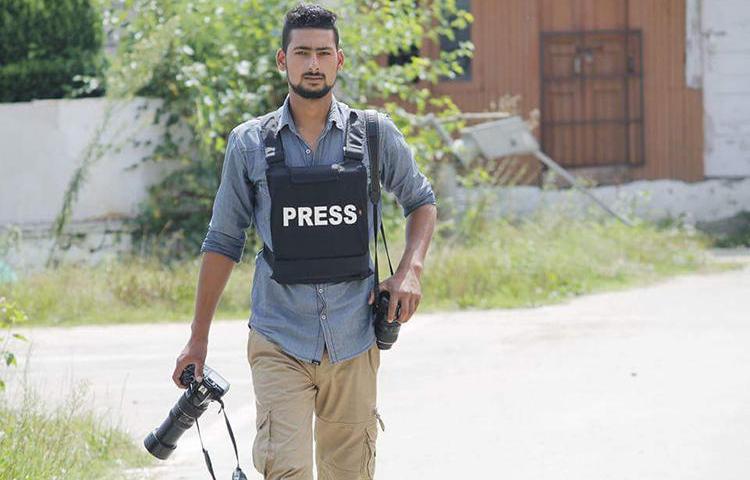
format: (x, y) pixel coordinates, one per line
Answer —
(311, 94)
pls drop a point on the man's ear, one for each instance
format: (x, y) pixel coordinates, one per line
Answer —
(340, 56)
(281, 60)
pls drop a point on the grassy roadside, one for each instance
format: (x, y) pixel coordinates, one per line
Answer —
(506, 266)
(64, 442)
(498, 264)
(132, 290)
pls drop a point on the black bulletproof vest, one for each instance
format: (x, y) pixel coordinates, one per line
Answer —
(319, 214)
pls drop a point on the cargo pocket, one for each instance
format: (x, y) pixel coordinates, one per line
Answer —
(369, 452)
(262, 442)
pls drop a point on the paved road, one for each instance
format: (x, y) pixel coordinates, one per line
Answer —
(651, 383)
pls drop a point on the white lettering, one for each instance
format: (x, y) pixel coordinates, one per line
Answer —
(289, 214)
(320, 215)
(335, 213)
(305, 214)
(351, 214)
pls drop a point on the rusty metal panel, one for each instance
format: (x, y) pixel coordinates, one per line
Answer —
(557, 15)
(505, 34)
(673, 112)
(601, 14)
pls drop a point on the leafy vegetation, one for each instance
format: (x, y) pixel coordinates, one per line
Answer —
(10, 316)
(474, 264)
(65, 442)
(50, 49)
(213, 64)
(551, 258)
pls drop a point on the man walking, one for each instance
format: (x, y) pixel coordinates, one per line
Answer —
(301, 176)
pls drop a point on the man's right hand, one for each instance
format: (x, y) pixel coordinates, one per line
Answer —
(194, 352)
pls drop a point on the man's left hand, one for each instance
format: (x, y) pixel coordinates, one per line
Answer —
(405, 289)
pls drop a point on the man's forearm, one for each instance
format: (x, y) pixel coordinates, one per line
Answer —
(420, 226)
(214, 274)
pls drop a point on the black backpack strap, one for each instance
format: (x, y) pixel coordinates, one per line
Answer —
(274, 149)
(274, 153)
(373, 149)
(354, 136)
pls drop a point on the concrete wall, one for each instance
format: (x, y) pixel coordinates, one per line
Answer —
(43, 142)
(41, 145)
(693, 203)
(85, 243)
(725, 59)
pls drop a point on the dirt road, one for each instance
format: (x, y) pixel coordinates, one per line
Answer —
(650, 383)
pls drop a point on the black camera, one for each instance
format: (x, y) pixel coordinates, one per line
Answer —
(191, 405)
(386, 333)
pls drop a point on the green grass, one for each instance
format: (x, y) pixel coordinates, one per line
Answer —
(497, 264)
(739, 234)
(552, 259)
(130, 290)
(63, 442)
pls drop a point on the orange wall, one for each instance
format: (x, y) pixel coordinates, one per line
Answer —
(506, 35)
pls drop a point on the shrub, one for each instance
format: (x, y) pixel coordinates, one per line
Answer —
(49, 49)
(213, 63)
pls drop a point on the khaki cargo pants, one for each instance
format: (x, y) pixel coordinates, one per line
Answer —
(288, 391)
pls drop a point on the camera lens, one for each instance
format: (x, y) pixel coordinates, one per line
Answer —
(157, 448)
(163, 441)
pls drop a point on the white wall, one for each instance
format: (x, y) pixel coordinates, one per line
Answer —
(654, 200)
(42, 143)
(725, 57)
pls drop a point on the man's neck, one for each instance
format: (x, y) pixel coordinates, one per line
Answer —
(309, 114)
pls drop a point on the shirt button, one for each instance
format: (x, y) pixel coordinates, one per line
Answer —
(307, 151)
(320, 290)
(323, 317)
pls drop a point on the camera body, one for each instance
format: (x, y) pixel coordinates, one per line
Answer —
(191, 405)
(386, 333)
(212, 387)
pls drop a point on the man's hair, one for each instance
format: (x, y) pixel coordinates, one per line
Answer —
(308, 16)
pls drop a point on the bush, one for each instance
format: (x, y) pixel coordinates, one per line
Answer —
(48, 49)
(52, 78)
(213, 64)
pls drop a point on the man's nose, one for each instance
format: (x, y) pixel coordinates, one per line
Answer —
(314, 64)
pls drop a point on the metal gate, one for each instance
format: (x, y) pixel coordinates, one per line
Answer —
(592, 97)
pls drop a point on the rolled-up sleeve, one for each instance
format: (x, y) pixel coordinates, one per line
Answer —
(399, 172)
(233, 205)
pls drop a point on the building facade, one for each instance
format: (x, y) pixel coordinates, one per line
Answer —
(626, 89)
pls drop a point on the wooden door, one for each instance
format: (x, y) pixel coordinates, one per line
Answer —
(591, 97)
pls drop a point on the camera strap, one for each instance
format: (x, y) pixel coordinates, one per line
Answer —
(238, 474)
(373, 137)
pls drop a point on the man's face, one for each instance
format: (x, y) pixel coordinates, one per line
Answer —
(311, 61)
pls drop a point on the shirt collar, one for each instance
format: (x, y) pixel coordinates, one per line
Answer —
(334, 116)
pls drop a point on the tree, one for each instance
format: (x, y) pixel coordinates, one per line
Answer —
(213, 64)
(49, 49)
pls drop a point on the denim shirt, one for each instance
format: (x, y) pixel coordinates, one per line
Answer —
(304, 318)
